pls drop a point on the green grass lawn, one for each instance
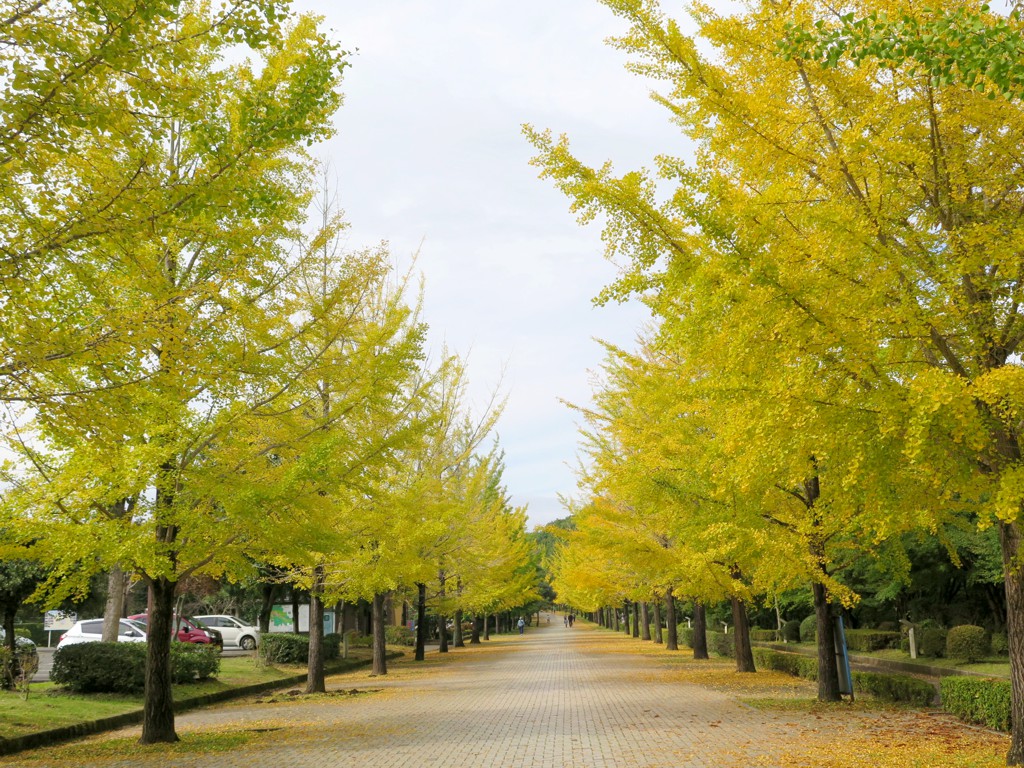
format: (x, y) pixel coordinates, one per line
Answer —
(996, 666)
(49, 706)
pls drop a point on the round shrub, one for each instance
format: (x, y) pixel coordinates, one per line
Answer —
(931, 641)
(1000, 645)
(809, 629)
(968, 641)
(100, 667)
(791, 631)
(332, 646)
(284, 648)
(193, 661)
(399, 636)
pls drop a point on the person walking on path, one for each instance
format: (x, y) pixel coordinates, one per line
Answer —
(521, 625)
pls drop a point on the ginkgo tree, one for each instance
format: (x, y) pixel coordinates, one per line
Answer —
(864, 220)
(190, 292)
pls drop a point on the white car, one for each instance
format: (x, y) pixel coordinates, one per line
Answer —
(91, 631)
(235, 631)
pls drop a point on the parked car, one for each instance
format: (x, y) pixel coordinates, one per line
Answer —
(235, 631)
(91, 631)
(23, 644)
(188, 630)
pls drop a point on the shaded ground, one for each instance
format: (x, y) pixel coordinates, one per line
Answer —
(550, 698)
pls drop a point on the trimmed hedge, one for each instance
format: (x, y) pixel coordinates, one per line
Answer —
(399, 636)
(871, 639)
(684, 636)
(284, 648)
(969, 642)
(289, 648)
(809, 629)
(722, 644)
(902, 688)
(791, 631)
(794, 664)
(121, 667)
(978, 700)
(765, 635)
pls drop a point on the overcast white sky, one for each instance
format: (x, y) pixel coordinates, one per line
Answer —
(430, 157)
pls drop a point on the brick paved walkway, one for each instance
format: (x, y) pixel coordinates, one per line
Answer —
(553, 697)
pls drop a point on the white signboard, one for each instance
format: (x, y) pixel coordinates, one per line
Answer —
(281, 619)
(54, 620)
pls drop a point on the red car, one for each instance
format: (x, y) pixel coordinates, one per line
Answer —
(188, 630)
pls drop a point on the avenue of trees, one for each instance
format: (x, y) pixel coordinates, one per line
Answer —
(197, 380)
(835, 276)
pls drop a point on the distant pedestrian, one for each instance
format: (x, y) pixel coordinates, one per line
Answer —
(565, 620)
(572, 618)
(521, 624)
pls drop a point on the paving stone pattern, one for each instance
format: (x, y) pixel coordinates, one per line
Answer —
(550, 698)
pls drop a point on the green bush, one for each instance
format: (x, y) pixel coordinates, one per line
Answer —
(1000, 645)
(721, 643)
(794, 664)
(332, 646)
(765, 635)
(284, 648)
(809, 629)
(888, 626)
(100, 667)
(903, 688)
(871, 639)
(791, 631)
(121, 667)
(684, 636)
(978, 700)
(399, 636)
(968, 641)
(931, 641)
(192, 661)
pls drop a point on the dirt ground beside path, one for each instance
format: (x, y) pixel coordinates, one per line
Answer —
(553, 697)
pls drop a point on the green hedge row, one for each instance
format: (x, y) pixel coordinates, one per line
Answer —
(288, 648)
(684, 636)
(722, 644)
(978, 700)
(765, 635)
(902, 688)
(790, 663)
(871, 639)
(121, 667)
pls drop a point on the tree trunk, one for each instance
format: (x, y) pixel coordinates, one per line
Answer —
(700, 631)
(457, 640)
(487, 627)
(1013, 578)
(636, 619)
(315, 682)
(741, 637)
(828, 669)
(656, 605)
(672, 641)
(114, 606)
(10, 643)
(627, 610)
(158, 706)
(645, 622)
(474, 635)
(421, 621)
(268, 591)
(380, 663)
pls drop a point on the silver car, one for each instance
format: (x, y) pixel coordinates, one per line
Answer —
(235, 631)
